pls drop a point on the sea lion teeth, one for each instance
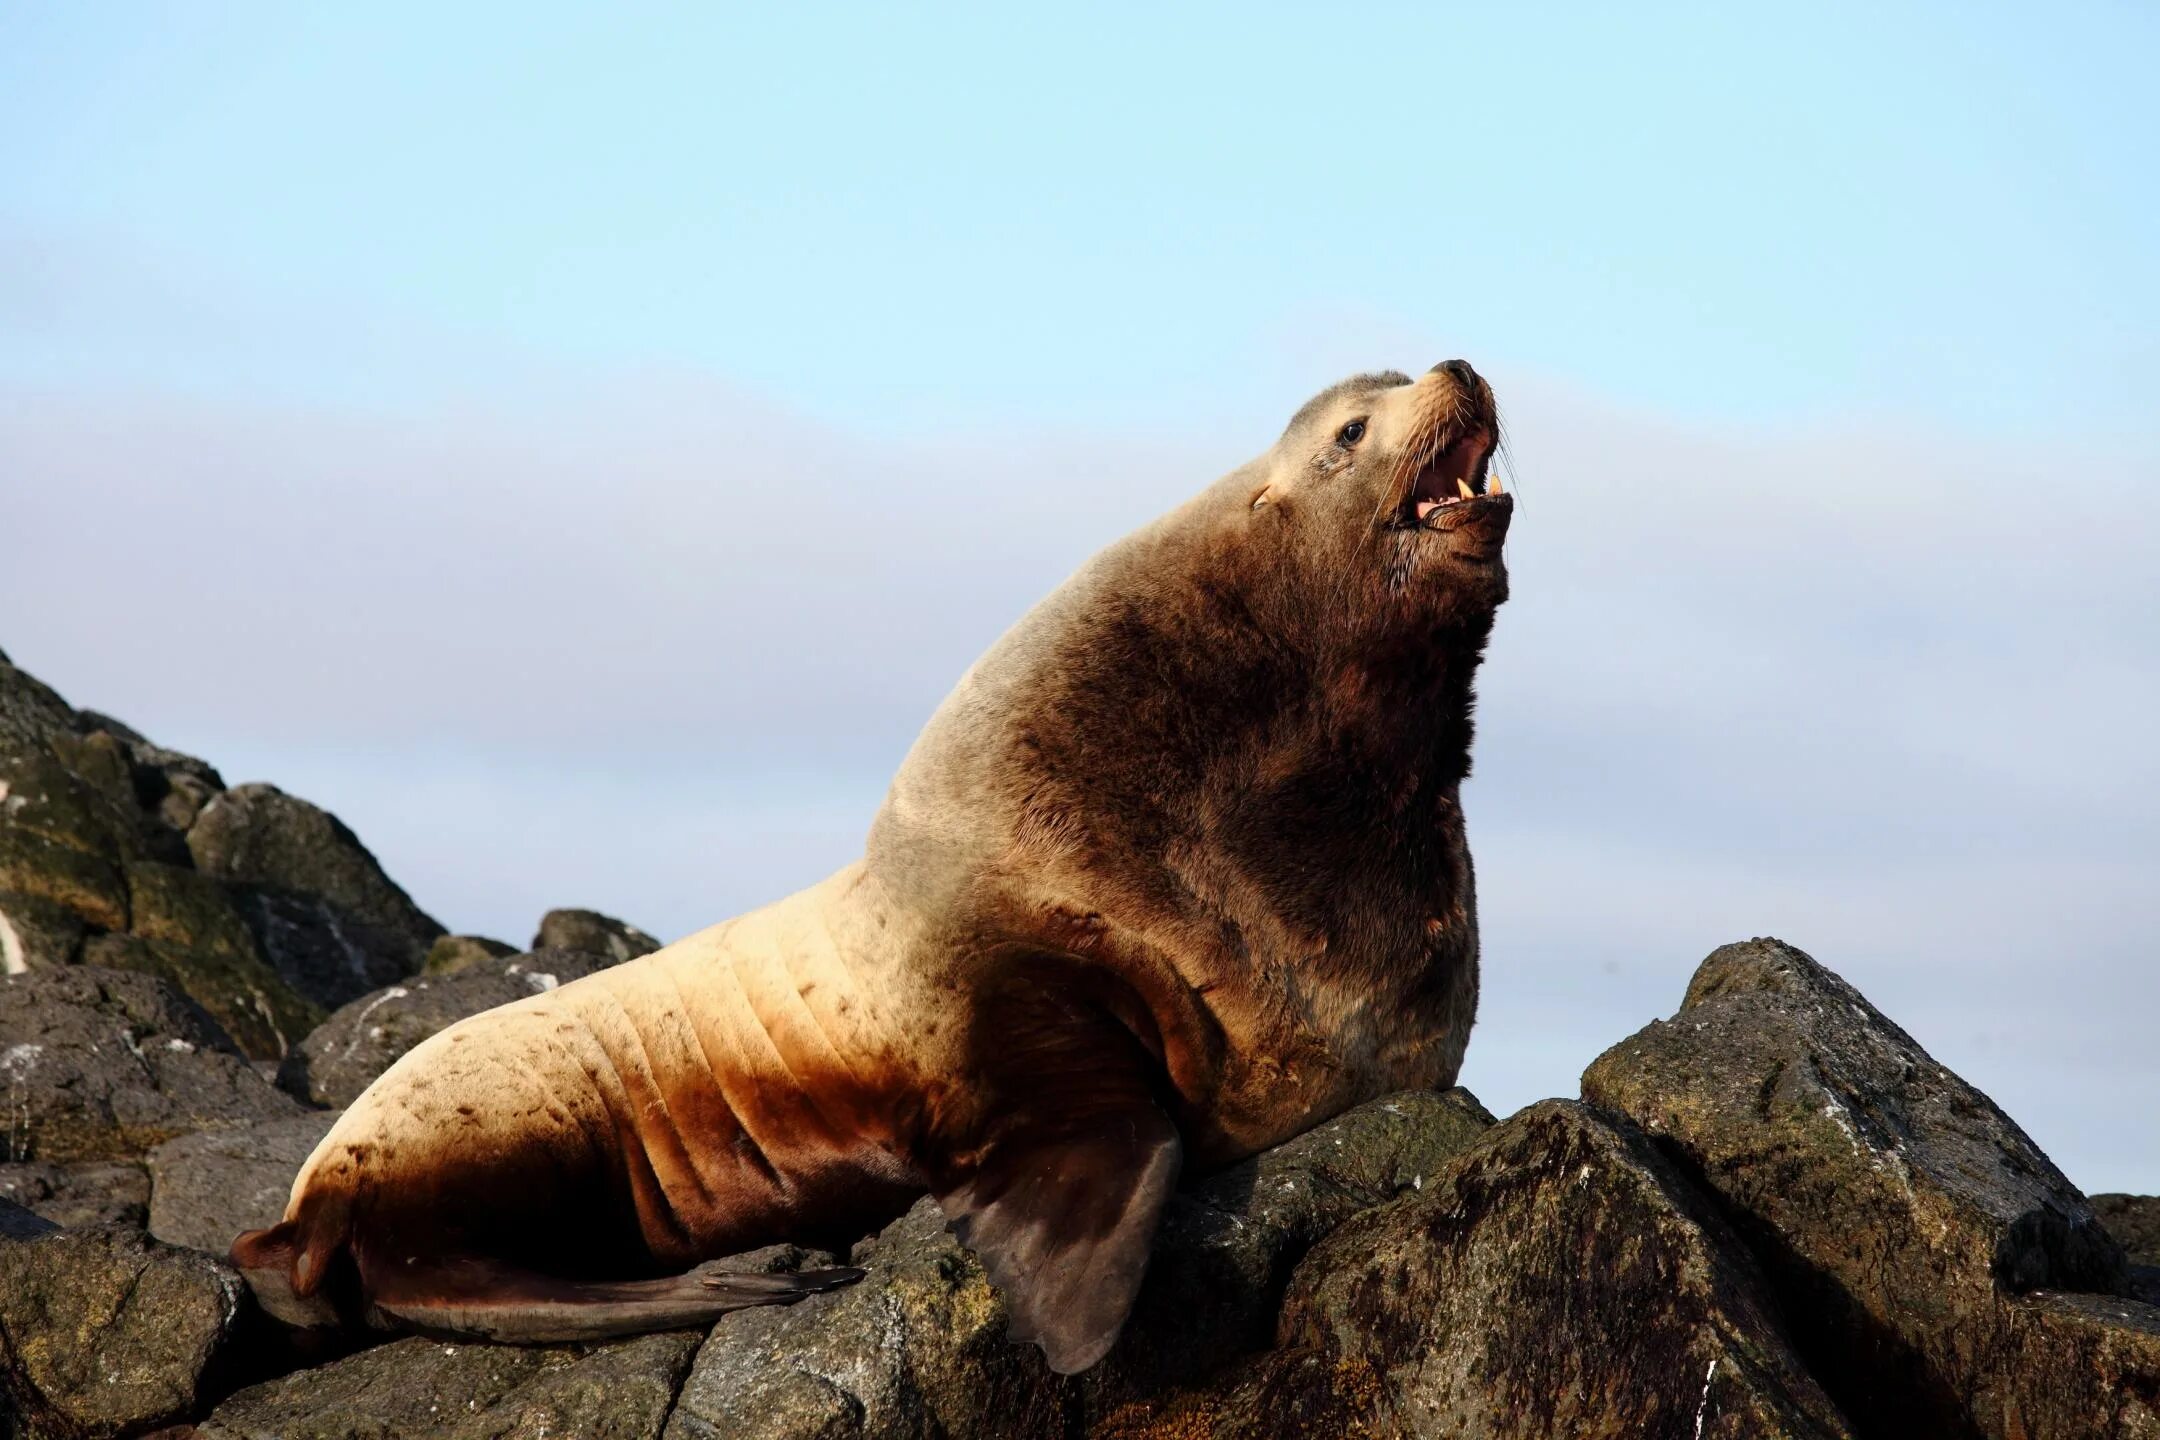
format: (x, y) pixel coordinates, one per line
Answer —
(1497, 489)
(1464, 487)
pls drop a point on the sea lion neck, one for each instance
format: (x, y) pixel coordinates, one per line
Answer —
(1160, 733)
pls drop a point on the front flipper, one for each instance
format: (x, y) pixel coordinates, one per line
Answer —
(1061, 1206)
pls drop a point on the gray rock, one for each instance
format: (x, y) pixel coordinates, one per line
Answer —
(102, 1064)
(421, 1387)
(1897, 1210)
(345, 1054)
(918, 1348)
(1559, 1279)
(16, 1223)
(594, 933)
(325, 954)
(207, 1188)
(2134, 1221)
(275, 845)
(105, 1332)
(89, 1192)
(175, 787)
(30, 710)
(453, 953)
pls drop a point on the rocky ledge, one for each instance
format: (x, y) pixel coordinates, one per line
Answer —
(1771, 1215)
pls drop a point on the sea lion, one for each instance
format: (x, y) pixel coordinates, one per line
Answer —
(1177, 872)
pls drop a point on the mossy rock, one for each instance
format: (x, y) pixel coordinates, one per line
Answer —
(37, 933)
(87, 884)
(454, 953)
(264, 1016)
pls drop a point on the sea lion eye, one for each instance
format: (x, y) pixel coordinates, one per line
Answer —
(1350, 434)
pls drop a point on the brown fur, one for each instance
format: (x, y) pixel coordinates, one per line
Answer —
(1177, 872)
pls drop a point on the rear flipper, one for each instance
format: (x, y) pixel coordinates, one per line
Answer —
(486, 1300)
(489, 1300)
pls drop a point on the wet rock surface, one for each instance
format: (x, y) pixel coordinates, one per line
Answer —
(359, 1042)
(105, 1332)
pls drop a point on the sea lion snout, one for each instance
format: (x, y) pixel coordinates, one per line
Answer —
(1450, 430)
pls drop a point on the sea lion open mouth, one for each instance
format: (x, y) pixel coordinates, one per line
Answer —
(1456, 472)
(1445, 465)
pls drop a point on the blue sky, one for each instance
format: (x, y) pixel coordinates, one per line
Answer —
(579, 448)
(1919, 211)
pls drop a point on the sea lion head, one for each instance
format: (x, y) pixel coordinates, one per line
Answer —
(1378, 492)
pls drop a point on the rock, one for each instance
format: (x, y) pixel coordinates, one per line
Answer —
(414, 1387)
(105, 1332)
(1228, 1242)
(327, 919)
(2088, 1366)
(37, 933)
(248, 1000)
(91, 1192)
(79, 793)
(918, 1348)
(30, 710)
(1558, 1279)
(345, 1054)
(1897, 1210)
(453, 953)
(205, 1189)
(173, 786)
(326, 955)
(2134, 1221)
(288, 916)
(16, 1223)
(100, 1064)
(87, 884)
(588, 930)
(185, 909)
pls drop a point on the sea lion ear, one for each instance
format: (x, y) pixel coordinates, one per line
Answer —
(1062, 1206)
